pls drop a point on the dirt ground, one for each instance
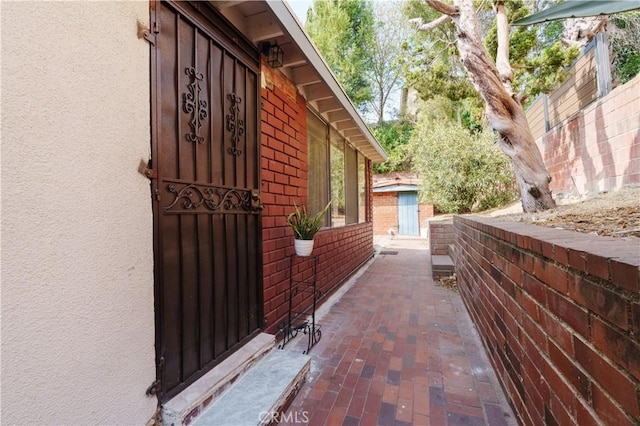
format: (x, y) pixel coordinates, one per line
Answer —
(614, 214)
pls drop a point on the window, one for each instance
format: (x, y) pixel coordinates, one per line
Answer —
(317, 168)
(352, 184)
(338, 207)
(362, 189)
(337, 172)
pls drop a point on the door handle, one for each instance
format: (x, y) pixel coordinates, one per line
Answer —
(256, 202)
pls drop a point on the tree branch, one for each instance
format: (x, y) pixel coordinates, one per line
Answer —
(444, 8)
(502, 57)
(503, 110)
(420, 26)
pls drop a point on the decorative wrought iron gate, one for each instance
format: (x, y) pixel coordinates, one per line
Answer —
(205, 160)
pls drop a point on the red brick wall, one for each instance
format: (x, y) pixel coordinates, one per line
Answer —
(284, 160)
(597, 149)
(559, 312)
(427, 211)
(385, 212)
(440, 236)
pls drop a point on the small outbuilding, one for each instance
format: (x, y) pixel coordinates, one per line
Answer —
(396, 206)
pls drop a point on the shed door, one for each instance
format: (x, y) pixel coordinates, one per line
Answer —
(407, 213)
(207, 236)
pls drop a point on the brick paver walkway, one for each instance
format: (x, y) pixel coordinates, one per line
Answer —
(396, 350)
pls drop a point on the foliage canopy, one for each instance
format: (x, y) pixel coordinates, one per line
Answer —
(538, 59)
(384, 58)
(432, 64)
(625, 40)
(537, 55)
(394, 137)
(343, 31)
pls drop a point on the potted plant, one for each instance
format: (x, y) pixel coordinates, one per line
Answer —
(304, 228)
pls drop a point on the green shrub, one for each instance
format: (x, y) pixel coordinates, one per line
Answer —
(460, 171)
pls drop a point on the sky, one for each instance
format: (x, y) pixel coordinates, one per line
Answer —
(300, 8)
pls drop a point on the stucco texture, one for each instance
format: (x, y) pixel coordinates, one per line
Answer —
(77, 228)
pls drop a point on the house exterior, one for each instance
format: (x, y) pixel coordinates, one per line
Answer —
(396, 206)
(162, 152)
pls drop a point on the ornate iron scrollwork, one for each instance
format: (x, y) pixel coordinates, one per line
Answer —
(213, 199)
(234, 124)
(192, 104)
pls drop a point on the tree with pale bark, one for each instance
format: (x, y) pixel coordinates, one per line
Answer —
(502, 107)
(384, 69)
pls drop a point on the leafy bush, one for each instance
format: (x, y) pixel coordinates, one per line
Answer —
(460, 171)
(625, 41)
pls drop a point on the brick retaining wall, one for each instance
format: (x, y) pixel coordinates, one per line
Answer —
(440, 236)
(559, 313)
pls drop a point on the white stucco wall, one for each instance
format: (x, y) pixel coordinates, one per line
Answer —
(77, 255)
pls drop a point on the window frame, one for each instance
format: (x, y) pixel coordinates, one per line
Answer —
(355, 208)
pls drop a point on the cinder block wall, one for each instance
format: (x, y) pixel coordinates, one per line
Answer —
(559, 313)
(597, 149)
(284, 157)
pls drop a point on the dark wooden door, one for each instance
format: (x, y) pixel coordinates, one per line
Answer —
(206, 196)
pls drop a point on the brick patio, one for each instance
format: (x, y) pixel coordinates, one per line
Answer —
(396, 350)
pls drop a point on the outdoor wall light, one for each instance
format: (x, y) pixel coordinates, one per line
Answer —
(275, 55)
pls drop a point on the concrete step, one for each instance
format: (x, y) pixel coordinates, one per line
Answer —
(263, 394)
(441, 266)
(191, 402)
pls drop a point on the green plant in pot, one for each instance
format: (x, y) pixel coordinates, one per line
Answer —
(304, 227)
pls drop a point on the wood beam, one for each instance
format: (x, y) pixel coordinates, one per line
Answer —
(346, 125)
(318, 91)
(328, 105)
(351, 133)
(292, 56)
(305, 75)
(337, 116)
(355, 140)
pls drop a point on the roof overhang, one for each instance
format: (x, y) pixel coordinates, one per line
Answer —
(579, 8)
(273, 21)
(396, 188)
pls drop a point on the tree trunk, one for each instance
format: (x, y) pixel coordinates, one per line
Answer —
(505, 114)
(381, 105)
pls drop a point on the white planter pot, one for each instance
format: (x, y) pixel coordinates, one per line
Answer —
(303, 247)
